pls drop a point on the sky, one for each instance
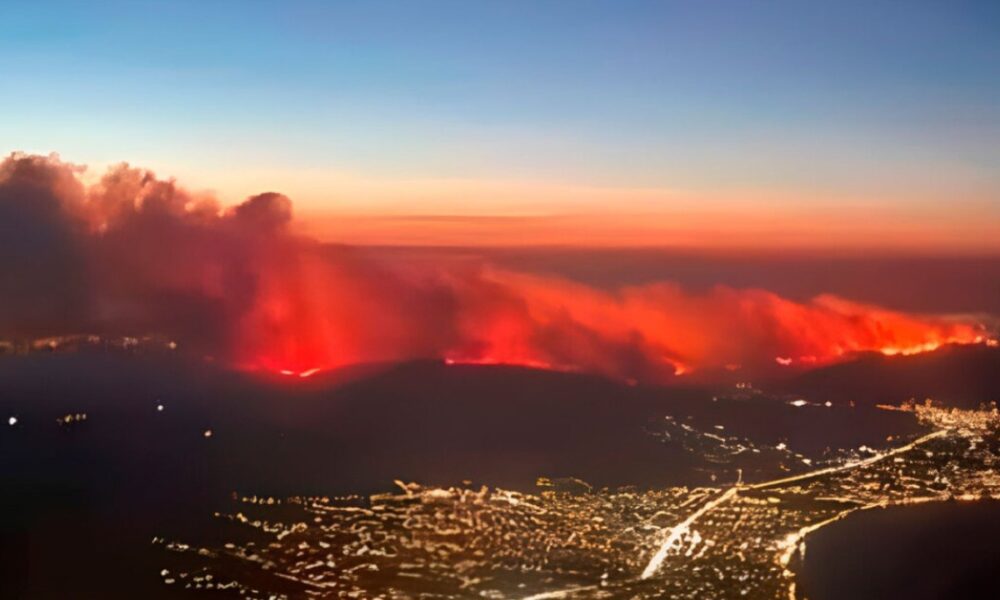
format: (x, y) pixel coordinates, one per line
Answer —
(717, 124)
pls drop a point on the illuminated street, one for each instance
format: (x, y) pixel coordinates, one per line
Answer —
(569, 542)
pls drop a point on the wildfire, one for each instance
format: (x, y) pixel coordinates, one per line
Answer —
(240, 285)
(489, 360)
(299, 374)
(649, 333)
(933, 345)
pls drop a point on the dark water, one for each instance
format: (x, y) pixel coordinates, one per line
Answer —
(937, 551)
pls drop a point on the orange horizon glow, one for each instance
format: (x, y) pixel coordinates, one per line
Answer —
(698, 231)
(346, 208)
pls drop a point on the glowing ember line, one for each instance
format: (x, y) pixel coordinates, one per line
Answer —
(534, 364)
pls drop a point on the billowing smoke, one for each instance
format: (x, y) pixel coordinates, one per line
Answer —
(133, 253)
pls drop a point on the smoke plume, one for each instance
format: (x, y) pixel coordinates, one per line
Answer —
(134, 253)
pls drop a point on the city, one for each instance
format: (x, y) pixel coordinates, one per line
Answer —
(568, 541)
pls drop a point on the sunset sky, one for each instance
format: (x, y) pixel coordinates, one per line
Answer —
(742, 124)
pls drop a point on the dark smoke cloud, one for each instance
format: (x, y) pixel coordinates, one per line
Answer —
(136, 254)
(44, 283)
(131, 253)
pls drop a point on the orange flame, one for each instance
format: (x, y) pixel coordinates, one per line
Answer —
(137, 252)
(328, 316)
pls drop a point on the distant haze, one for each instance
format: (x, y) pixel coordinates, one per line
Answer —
(961, 284)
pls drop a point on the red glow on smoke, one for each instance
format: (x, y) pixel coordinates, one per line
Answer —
(648, 333)
(135, 253)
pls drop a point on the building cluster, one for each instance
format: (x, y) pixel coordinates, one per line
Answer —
(86, 343)
(571, 541)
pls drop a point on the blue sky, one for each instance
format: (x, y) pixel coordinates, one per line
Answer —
(873, 102)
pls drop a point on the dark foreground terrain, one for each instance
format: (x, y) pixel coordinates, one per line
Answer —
(166, 443)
